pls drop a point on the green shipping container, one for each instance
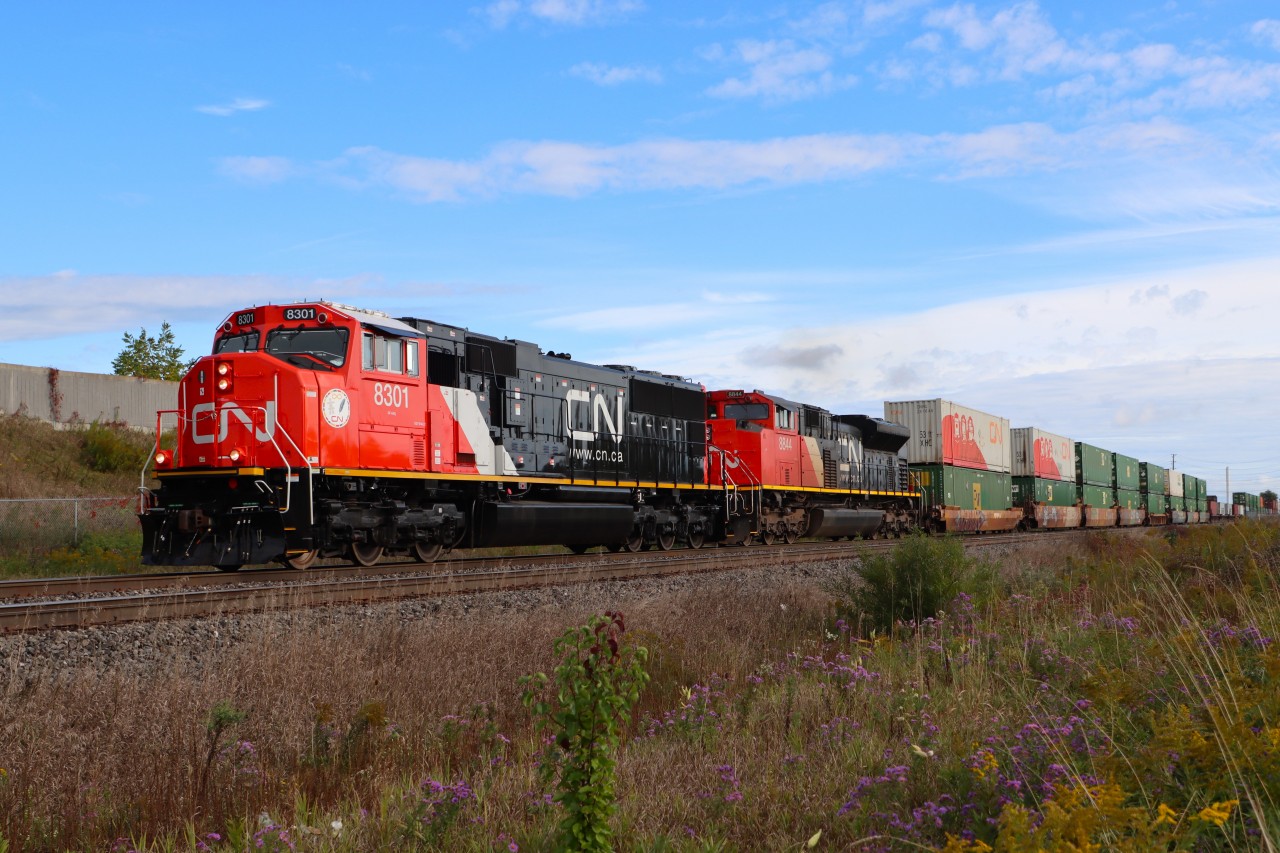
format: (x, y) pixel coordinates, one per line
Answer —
(1126, 474)
(1129, 498)
(1189, 487)
(1042, 491)
(1154, 503)
(1094, 466)
(1202, 505)
(1173, 502)
(1097, 496)
(966, 488)
(1251, 503)
(1153, 480)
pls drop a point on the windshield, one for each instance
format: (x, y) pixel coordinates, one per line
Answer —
(247, 342)
(323, 348)
(746, 411)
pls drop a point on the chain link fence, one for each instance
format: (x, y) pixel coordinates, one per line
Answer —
(40, 525)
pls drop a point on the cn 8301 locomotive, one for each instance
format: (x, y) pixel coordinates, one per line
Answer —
(320, 430)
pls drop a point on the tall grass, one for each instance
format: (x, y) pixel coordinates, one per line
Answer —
(1119, 692)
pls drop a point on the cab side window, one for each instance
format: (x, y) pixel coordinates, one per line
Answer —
(389, 354)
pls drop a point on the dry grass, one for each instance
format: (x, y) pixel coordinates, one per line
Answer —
(760, 723)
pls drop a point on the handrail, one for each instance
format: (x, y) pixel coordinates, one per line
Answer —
(731, 484)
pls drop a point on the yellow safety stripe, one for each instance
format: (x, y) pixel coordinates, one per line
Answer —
(535, 481)
(214, 472)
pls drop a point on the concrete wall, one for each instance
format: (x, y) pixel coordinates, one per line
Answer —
(86, 396)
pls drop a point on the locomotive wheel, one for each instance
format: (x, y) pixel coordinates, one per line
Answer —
(635, 543)
(767, 536)
(696, 538)
(365, 554)
(427, 552)
(666, 541)
(788, 535)
(303, 561)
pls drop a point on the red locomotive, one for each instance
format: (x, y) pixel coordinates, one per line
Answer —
(315, 429)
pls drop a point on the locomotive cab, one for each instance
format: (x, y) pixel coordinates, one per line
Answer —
(287, 393)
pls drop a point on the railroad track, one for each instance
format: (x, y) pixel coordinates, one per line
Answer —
(108, 600)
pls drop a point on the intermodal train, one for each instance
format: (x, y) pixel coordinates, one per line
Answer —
(318, 430)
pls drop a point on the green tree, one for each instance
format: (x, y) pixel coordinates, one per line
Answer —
(1268, 495)
(151, 357)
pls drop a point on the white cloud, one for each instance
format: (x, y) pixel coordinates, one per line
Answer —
(239, 105)
(1019, 42)
(781, 71)
(574, 169)
(577, 169)
(615, 75)
(1267, 31)
(566, 12)
(257, 170)
(71, 303)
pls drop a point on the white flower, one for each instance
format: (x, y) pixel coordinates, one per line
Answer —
(336, 826)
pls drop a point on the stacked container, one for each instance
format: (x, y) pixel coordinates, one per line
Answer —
(1043, 468)
(1154, 485)
(1094, 466)
(944, 433)
(1095, 483)
(1252, 503)
(962, 459)
(1128, 496)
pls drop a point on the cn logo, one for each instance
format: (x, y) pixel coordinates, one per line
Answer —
(599, 410)
(204, 413)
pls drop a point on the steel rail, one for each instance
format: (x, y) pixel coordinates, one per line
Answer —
(31, 616)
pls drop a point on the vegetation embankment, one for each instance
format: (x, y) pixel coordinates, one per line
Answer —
(1114, 691)
(41, 534)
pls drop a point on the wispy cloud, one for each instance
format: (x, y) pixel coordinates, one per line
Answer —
(575, 13)
(257, 170)
(778, 70)
(574, 169)
(615, 75)
(239, 105)
(965, 47)
(73, 303)
(1267, 31)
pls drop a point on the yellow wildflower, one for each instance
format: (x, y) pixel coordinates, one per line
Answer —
(1164, 814)
(1218, 813)
(987, 763)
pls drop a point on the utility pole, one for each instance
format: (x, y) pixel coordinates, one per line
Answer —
(1173, 462)
(1228, 499)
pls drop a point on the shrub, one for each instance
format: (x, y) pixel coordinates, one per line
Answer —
(113, 449)
(913, 582)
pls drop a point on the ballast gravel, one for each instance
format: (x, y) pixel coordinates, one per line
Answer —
(147, 647)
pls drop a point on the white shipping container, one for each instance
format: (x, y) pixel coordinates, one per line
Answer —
(944, 433)
(1037, 453)
(1175, 484)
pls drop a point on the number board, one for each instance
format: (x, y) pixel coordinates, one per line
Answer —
(245, 319)
(299, 313)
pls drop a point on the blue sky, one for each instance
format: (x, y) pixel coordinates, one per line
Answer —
(1064, 213)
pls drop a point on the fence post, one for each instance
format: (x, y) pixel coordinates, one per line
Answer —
(75, 523)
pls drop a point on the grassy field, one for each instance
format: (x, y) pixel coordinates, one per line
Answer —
(1103, 692)
(83, 461)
